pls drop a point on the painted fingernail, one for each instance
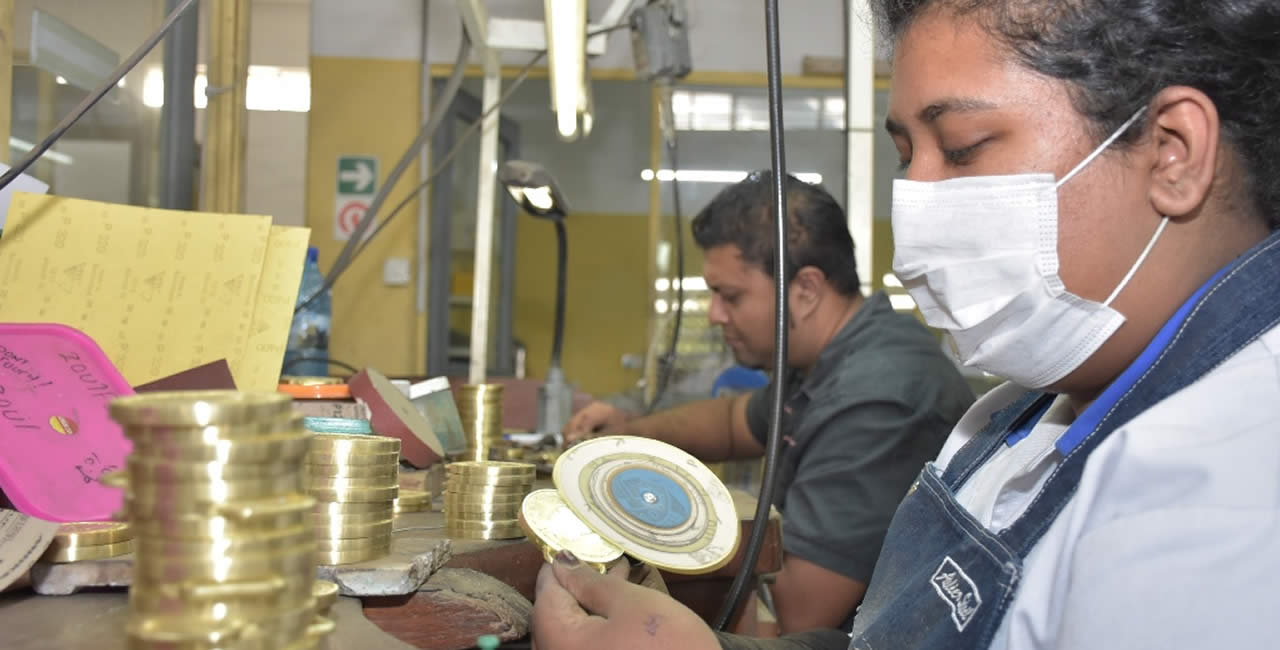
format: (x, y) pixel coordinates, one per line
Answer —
(543, 577)
(567, 558)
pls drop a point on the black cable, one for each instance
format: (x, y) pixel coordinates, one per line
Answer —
(562, 262)
(772, 447)
(333, 362)
(348, 251)
(434, 120)
(668, 362)
(92, 98)
(457, 147)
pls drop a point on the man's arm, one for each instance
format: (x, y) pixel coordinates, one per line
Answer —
(808, 596)
(849, 480)
(713, 429)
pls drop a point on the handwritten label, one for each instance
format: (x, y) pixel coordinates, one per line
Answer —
(95, 386)
(17, 366)
(43, 392)
(13, 415)
(92, 469)
(20, 368)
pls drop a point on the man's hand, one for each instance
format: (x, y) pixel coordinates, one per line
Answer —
(577, 608)
(596, 417)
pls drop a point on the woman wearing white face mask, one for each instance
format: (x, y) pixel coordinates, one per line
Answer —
(1089, 204)
(1088, 209)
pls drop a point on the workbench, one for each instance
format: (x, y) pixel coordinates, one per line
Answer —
(431, 592)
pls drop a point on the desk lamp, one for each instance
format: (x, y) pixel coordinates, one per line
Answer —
(532, 186)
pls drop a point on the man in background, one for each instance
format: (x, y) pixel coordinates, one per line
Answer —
(870, 398)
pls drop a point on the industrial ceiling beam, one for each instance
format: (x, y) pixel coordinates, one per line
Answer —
(524, 35)
(475, 18)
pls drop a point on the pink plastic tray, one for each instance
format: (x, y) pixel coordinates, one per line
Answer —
(55, 383)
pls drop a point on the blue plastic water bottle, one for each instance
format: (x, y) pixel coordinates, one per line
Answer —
(309, 335)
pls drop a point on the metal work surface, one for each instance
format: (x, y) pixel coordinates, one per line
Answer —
(95, 621)
(419, 548)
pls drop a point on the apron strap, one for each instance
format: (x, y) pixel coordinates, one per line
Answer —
(1226, 315)
(974, 453)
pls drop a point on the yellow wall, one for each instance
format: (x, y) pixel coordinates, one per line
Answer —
(606, 314)
(366, 106)
(881, 252)
(371, 106)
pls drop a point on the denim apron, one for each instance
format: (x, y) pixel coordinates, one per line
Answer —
(943, 580)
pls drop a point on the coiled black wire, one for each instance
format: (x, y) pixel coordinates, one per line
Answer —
(772, 446)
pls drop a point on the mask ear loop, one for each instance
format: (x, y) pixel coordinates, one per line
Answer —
(1164, 221)
(1102, 147)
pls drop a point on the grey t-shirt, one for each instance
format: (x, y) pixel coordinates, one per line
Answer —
(858, 428)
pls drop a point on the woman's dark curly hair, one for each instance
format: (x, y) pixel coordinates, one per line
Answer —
(1116, 55)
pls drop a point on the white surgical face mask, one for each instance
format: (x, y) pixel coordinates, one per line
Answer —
(980, 257)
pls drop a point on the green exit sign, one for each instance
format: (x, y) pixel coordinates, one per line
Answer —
(357, 175)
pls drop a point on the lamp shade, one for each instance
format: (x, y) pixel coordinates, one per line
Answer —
(533, 187)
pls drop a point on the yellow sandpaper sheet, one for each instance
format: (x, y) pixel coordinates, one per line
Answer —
(259, 368)
(161, 291)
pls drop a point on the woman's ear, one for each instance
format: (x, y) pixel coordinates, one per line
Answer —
(1184, 127)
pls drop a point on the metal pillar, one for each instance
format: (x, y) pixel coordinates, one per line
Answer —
(6, 77)
(467, 110)
(424, 205)
(440, 253)
(178, 117)
(222, 185)
(485, 184)
(46, 119)
(654, 344)
(859, 96)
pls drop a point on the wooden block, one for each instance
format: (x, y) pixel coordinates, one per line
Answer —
(454, 608)
(513, 563)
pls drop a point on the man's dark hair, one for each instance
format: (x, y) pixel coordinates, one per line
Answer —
(1118, 54)
(817, 232)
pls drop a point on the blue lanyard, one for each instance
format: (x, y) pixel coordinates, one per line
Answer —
(1092, 416)
(1026, 424)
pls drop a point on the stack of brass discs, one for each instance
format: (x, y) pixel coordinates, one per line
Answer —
(480, 407)
(412, 501)
(224, 557)
(355, 480)
(89, 540)
(326, 594)
(482, 498)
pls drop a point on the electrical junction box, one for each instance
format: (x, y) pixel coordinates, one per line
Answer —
(660, 40)
(395, 272)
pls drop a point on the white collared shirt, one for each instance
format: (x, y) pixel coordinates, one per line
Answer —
(1172, 539)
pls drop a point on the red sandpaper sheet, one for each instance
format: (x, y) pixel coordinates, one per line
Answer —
(215, 375)
(392, 414)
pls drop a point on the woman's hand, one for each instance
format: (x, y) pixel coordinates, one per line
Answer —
(576, 608)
